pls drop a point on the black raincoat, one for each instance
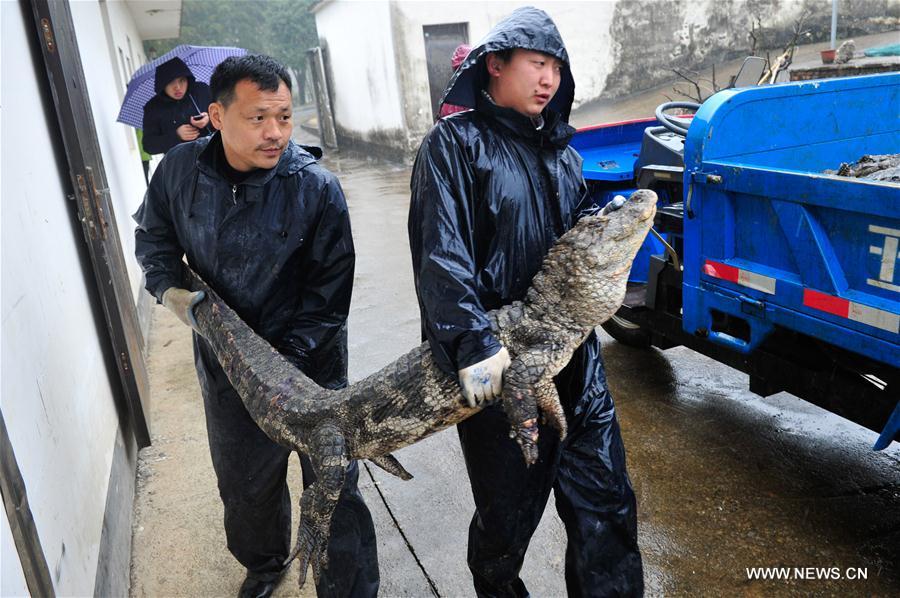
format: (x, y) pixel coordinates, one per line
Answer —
(277, 247)
(162, 114)
(491, 193)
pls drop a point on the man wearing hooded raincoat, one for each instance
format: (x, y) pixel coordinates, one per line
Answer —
(268, 228)
(492, 190)
(170, 117)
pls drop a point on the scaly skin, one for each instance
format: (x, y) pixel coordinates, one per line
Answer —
(580, 285)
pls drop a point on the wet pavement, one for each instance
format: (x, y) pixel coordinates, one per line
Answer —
(725, 480)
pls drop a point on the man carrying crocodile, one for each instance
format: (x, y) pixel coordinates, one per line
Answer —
(492, 189)
(268, 228)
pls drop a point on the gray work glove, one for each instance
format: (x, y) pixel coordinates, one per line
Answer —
(483, 381)
(181, 302)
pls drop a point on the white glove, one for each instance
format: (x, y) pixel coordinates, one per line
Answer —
(614, 204)
(181, 302)
(483, 381)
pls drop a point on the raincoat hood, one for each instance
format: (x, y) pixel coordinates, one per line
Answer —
(527, 28)
(169, 71)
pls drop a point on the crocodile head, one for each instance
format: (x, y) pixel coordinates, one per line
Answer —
(615, 238)
(606, 246)
(581, 284)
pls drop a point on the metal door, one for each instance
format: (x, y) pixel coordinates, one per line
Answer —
(440, 42)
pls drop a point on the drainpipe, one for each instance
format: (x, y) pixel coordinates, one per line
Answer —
(833, 23)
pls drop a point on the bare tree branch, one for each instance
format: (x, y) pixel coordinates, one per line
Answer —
(699, 93)
(784, 60)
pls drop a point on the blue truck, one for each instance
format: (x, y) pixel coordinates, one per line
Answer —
(758, 258)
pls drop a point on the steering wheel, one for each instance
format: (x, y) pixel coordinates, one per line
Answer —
(669, 122)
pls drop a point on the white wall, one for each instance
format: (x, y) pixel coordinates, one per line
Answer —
(12, 578)
(106, 89)
(361, 54)
(56, 396)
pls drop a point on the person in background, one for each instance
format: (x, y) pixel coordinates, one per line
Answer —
(145, 157)
(493, 188)
(459, 55)
(178, 111)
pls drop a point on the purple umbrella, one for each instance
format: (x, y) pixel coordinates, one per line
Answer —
(202, 60)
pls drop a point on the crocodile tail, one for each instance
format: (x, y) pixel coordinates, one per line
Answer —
(267, 383)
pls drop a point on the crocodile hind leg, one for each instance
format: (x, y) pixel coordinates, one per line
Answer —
(329, 458)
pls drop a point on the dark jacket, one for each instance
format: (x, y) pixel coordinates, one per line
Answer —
(277, 247)
(162, 114)
(490, 196)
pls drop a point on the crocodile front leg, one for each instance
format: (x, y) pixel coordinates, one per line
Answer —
(329, 458)
(529, 391)
(521, 406)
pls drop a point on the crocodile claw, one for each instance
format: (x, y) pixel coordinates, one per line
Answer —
(309, 550)
(526, 436)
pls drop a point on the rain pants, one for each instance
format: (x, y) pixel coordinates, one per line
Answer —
(162, 114)
(491, 193)
(277, 248)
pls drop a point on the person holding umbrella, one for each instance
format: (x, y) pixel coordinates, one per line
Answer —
(178, 111)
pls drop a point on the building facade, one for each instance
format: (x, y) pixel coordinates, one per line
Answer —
(388, 61)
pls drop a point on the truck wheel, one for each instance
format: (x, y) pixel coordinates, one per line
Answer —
(627, 333)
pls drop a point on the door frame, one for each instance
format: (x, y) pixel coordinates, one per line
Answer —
(65, 75)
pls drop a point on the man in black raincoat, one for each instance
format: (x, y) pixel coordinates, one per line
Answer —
(268, 229)
(178, 111)
(492, 189)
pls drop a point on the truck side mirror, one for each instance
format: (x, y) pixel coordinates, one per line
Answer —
(750, 73)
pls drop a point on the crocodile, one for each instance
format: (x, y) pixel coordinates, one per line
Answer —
(882, 167)
(580, 285)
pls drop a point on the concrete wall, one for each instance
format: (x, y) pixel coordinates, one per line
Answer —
(60, 395)
(357, 46)
(617, 47)
(12, 578)
(360, 49)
